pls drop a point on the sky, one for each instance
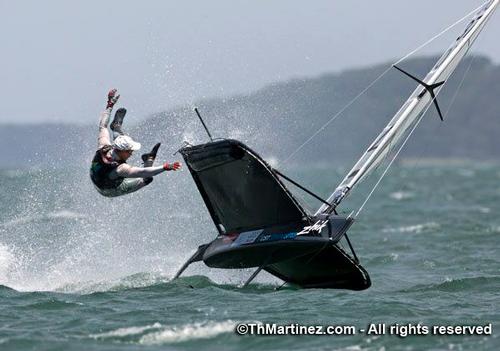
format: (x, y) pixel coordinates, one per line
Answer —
(59, 58)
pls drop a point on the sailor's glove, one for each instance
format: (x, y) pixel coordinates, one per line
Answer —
(113, 97)
(171, 166)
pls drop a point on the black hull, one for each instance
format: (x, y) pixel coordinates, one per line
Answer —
(222, 255)
(308, 262)
(329, 268)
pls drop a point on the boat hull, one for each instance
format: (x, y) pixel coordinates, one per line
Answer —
(308, 262)
(330, 268)
(221, 254)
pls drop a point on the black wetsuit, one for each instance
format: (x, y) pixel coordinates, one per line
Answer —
(105, 176)
(100, 170)
(100, 174)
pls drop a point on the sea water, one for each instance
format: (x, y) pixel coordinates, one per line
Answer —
(83, 272)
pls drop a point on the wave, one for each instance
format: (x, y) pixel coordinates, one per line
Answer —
(188, 332)
(148, 281)
(158, 334)
(133, 281)
(481, 209)
(461, 284)
(392, 257)
(418, 228)
(155, 282)
(493, 229)
(125, 332)
(5, 288)
(50, 304)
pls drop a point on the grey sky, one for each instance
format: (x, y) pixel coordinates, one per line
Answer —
(59, 58)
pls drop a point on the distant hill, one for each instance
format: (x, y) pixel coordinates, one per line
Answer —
(277, 119)
(45, 145)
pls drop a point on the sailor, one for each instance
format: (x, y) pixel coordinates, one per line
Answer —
(110, 173)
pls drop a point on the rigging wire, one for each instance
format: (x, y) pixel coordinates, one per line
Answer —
(391, 162)
(459, 86)
(427, 146)
(411, 132)
(439, 34)
(375, 81)
(337, 114)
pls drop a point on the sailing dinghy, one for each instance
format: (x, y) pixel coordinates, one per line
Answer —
(261, 224)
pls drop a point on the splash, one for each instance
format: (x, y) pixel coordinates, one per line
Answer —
(63, 214)
(7, 261)
(58, 234)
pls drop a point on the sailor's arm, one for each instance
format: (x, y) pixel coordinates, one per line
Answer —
(104, 137)
(127, 171)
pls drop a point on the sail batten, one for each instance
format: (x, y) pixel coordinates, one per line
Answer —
(417, 103)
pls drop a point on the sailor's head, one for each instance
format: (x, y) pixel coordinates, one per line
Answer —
(124, 146)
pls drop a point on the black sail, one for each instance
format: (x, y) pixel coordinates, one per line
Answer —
(240, 190)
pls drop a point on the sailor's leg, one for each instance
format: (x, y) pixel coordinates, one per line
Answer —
(129, 185)
(149, 158)
(116, 125)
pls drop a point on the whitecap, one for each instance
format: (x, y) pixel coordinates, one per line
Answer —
(494, 229)
(351, 348)
(401, 195)
(418, 228)
(128, 331)
(481, 209)
(187, 332)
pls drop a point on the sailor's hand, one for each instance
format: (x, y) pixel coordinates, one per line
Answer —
(113, 97)
(172, 166)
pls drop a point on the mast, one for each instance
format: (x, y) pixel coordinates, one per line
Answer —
(416, 104)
